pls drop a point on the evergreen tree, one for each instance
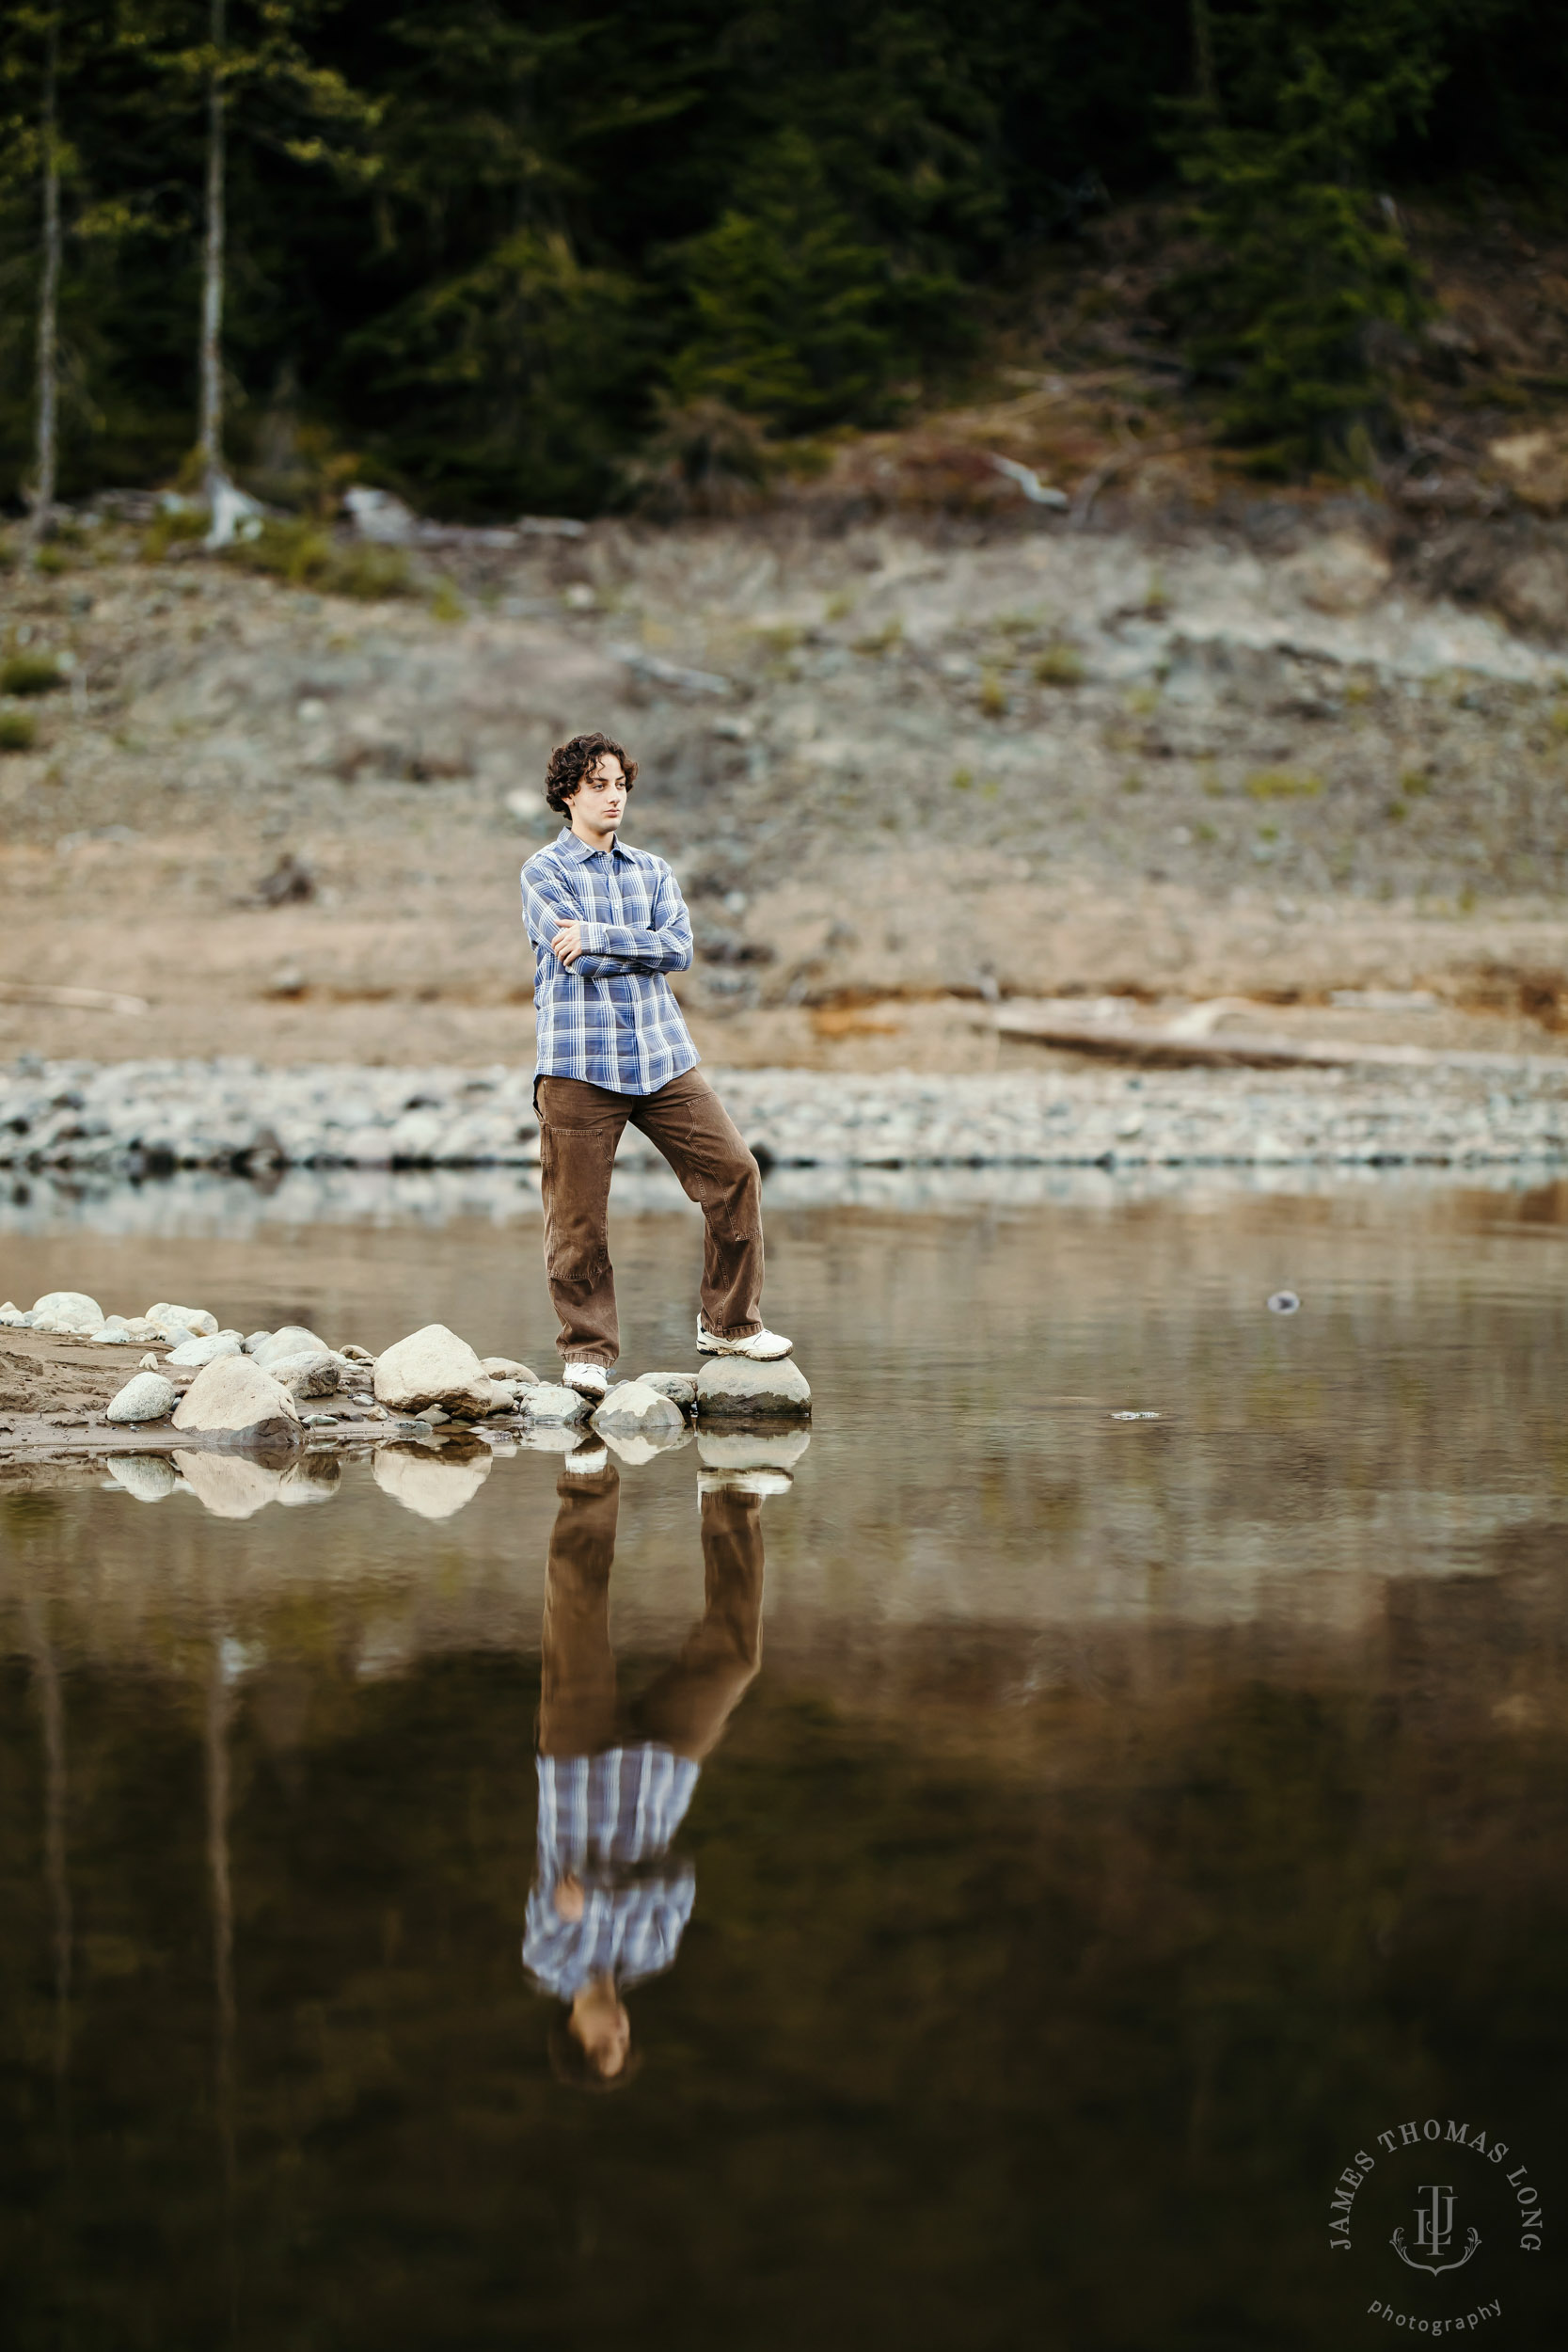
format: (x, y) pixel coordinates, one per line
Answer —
(1307, 261)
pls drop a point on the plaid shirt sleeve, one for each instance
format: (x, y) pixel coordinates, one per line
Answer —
(664, 946)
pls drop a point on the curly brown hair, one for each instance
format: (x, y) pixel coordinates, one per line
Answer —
(570, 762)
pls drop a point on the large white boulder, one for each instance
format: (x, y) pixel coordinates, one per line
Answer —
(732, 1387)
(147, 1397)
(434, 1367)
(68, 1310)
(433, 1486)
(294, 1339)
(234, 1398)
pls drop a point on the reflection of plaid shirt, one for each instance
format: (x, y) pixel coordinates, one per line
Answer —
(611, 1017)
(608, 1820)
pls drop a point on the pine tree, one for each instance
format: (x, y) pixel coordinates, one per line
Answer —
(1308, 269)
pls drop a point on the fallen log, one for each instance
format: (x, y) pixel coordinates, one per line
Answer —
(1175, 1046)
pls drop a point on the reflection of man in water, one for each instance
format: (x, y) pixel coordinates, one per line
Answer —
(609, 1902)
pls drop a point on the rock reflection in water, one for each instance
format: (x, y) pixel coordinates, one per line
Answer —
(609, 1901)
(433, 1484)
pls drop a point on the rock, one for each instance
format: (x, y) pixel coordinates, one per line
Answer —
(433, 1367)
(11, 1314)
(192, 1354)
(733, 1386)
(148, 1396)
(146, 1476)
(551, 1400)
(435, 1486)
(227, 1485)
(679, 1387)
(357, 1355)
(1535, 466)
(752, 1449)
(1339, 574)
(68, 1310)
(316, 1372)
(148, 1363)
(254, 1341)
(140, 1329)
(507, 1368)
(294, 1339)
(637, 1410)
(1532, 592)
(234, 1398)
(196, 1320)
(115, 1332)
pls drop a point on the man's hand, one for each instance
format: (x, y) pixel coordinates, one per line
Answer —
(569, 1898)
(568, 944)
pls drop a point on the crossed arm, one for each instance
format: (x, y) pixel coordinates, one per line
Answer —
(595, 950)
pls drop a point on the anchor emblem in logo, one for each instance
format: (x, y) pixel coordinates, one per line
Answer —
(1435, 2233)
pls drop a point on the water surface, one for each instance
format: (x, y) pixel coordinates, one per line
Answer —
(1127, 1821)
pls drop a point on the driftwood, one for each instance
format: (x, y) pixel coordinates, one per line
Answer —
(1189, 1041)
(74, 999)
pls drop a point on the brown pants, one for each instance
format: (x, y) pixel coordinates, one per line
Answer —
(687, 1707)
(580, 1128)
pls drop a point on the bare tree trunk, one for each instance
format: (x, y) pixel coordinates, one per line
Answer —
(1203, 53)
(49, 301)
(211, 442)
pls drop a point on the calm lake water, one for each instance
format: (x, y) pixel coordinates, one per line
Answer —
(1095, 1831)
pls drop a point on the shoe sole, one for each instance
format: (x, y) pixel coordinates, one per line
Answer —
(716, 1347)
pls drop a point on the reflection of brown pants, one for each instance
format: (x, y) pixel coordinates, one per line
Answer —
(580, 1127)
(688, 1706)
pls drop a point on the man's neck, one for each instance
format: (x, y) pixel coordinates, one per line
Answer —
(605, 841)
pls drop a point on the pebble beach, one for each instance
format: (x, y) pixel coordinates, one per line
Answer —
(138, 1120)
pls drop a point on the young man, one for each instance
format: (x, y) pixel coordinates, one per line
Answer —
(608, 922)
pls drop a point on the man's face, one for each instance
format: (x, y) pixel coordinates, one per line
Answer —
(605, 2033)
(601, 796)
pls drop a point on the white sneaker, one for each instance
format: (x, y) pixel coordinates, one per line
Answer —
(588, 1380)
(746, 1482)
(763, 1347)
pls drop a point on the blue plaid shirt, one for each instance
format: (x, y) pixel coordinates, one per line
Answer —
(608, 1820)
(611, 1017)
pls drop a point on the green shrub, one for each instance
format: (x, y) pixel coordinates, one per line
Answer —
(305, 556)
(369, 572)
(169, 526)
(18, 730)
(31, 673)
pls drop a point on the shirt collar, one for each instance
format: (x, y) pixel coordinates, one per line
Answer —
(572, 844)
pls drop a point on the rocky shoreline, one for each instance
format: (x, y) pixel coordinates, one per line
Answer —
(75, 1383)
(140, 1120)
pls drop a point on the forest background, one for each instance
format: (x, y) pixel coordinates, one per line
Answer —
(508, 259)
